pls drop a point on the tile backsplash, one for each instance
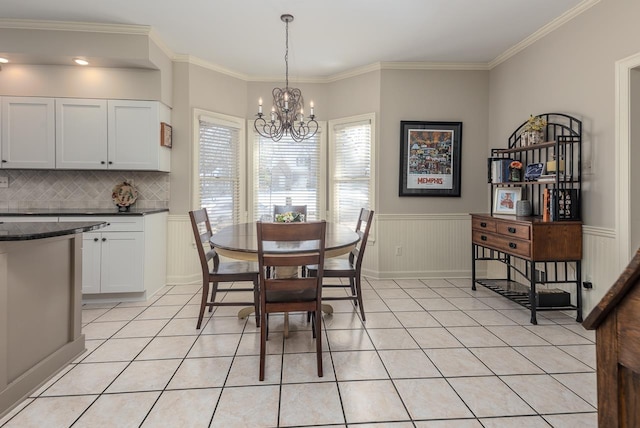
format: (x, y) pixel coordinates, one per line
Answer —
(39, 189)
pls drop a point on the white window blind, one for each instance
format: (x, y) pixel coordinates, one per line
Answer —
(219, 172)
(351, 170)
(286, 172)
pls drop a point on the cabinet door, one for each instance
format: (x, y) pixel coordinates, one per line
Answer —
(91, 258)
(122, 262)
(81, 134)
(28, 133)
(134, 135)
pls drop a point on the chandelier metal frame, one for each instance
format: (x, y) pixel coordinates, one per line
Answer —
(287, 112)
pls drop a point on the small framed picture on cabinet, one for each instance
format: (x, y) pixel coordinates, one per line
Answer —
(166, 137)
(505, 199)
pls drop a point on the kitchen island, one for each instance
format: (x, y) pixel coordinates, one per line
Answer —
(40, 303)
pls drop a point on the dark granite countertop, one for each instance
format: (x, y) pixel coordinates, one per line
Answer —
(39, 230)
(79, 212)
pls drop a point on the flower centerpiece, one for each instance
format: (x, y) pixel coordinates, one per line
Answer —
(289, 217)
(515, 171)
(533, 130)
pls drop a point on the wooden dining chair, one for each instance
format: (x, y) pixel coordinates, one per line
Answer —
(349, 268)
(220, 272)
(306, 242)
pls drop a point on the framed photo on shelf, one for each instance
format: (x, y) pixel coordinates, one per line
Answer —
(430, 158)
(505, 199)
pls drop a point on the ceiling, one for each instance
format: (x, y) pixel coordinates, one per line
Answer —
(326, 38)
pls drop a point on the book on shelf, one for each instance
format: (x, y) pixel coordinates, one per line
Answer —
(499, 170)
(551, 178)
(568, 204)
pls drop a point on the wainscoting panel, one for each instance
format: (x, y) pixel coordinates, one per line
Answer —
(423, 246)
(430, 246)
(599, 264)
(183, 266)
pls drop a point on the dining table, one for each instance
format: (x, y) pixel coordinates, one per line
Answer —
(240, 242)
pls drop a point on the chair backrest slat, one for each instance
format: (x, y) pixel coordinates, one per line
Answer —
(278, 256)
(366, 218)
(201, 233)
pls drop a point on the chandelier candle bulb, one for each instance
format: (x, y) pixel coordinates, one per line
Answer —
(260, 106)
(311, 105)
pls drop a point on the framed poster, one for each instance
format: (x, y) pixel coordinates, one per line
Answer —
(430, 158)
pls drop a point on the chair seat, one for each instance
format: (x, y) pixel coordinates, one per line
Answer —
(334, 267)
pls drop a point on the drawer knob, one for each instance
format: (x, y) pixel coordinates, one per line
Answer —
(95, 239)
(482, 237)
(104, 239)
(102, 162)
(512, 245)
(512, 230)
(483, 224)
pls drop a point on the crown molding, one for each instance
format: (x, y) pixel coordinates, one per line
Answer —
(209, 65)
(542, 32)
(30, 24)
(434, 66)
(155, 38)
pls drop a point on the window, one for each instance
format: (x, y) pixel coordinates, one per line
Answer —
(219, 165)
(286, 172)
(351, 175)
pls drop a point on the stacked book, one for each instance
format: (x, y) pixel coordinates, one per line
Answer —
(551, 178)
(499, 170)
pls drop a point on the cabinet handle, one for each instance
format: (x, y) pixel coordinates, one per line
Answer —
(512, 230)
(95, 239)
(4, 161)
(104, 239)
(483, 238)
(102, 162)
(110, 163)
(483, 224)
(512, 245)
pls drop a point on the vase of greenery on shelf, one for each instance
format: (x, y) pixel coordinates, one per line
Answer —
(515, 171)
(533, 131)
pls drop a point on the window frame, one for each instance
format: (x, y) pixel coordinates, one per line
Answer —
(252, 136)
(345, 121)
(231, 122)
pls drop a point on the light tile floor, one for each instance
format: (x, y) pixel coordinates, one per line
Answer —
(432, 353)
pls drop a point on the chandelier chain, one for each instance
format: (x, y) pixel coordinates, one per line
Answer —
(286, 54)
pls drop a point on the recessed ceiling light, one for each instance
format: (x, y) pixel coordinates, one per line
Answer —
(3, 60)
(81, 61)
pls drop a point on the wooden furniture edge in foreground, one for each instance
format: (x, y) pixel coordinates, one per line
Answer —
(615, 319)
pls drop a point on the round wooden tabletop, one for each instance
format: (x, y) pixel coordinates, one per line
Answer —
(239, 241)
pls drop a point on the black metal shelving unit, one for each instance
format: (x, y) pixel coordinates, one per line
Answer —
(563, 141)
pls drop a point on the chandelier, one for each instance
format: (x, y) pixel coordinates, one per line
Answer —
(287, 112)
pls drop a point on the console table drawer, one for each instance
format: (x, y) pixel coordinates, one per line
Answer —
(483, 224)
(502, 243)
(521, 231)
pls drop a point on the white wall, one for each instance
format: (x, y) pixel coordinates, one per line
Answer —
(635, 158)
(572, 70)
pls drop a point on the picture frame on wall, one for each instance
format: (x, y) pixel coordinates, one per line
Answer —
(505, 200)
(166, 135)
(430, 158)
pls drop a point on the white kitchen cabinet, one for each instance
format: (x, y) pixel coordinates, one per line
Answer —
(127, 256)
(81, 134)
(28, 133)
(112, 262)
(134, 135)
